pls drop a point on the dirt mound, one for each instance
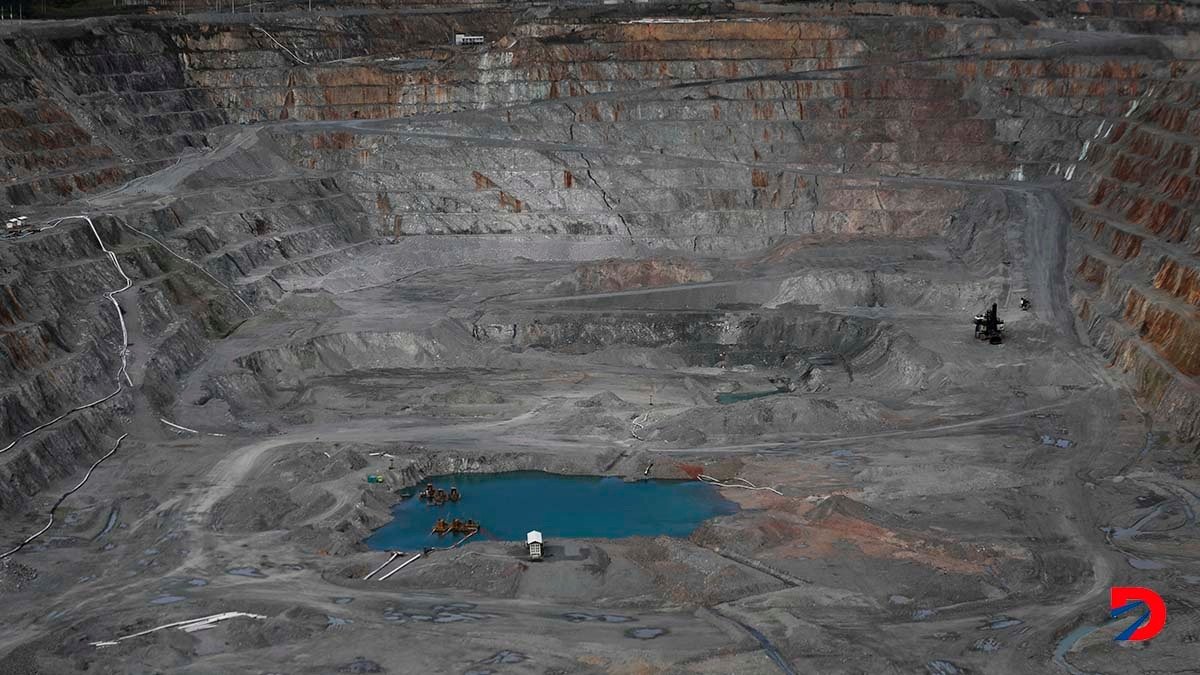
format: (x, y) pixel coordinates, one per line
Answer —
(593, 421)
(254, 510)
(605, 399)
(297, 623)
(316, 462)
(620, 275)
(318, 502)
(845, 507)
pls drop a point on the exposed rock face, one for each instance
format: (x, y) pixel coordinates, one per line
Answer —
(1136, 238)
(720, 136)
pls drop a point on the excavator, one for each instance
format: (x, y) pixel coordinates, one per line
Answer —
(988, 326)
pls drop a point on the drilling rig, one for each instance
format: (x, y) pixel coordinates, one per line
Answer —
(988, 326)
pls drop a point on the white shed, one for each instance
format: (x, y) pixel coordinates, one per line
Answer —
(533, 541)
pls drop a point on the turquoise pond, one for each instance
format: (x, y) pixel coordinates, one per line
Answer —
(508, 505)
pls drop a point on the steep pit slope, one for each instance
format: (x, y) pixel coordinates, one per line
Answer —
(744, 242)
(1136, 251)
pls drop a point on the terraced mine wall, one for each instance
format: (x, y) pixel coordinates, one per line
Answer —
(719, 137)
(1136, 242)
(86, 106)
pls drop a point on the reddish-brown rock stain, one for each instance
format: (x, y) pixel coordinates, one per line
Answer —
(24, 354)
(1176, 186)
(1085, 310)
(1142, 143)
(1174, 337)
(1160, 217)
(1092, 271)
(1138, 208)
(1182, 282)
(482, 182)
(1125, 245)
(1102, 191)
(338, 140)
(11, 311)
(510, 202)
(618, 275)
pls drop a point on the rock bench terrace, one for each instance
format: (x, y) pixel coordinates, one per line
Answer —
(741, 243)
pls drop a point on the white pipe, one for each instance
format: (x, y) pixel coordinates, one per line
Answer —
(63, 498)
(704, 478)
(402, 566)
(290, 52)
(123, 371)
(181, 428)
(376, 570)
(124, 351)
(455, 544)
(204, 621)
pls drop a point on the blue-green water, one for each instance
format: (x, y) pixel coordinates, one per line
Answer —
(508, 505)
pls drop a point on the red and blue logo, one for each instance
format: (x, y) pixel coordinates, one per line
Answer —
(1125, 599)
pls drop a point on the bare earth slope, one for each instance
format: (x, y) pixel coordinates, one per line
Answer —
(341, 245)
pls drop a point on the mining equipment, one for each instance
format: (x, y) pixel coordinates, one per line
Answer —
(456, 526)
(435, 496)
(428, 493)
(988, 326)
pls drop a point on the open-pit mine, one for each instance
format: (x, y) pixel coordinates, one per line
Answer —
(641, 337)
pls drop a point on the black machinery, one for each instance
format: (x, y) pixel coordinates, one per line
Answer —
(988, 326)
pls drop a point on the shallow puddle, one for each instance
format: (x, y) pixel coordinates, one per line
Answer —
(508, 505)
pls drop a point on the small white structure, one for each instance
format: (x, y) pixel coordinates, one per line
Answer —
(533, 541)
(18, 226)
(463, 39)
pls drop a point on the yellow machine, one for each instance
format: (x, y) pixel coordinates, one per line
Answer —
(438, 497)
(456, 526)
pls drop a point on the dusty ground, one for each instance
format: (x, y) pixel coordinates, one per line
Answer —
(947, 506)
(923, 516)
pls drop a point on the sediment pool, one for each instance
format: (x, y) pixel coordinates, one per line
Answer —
(510, 504)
